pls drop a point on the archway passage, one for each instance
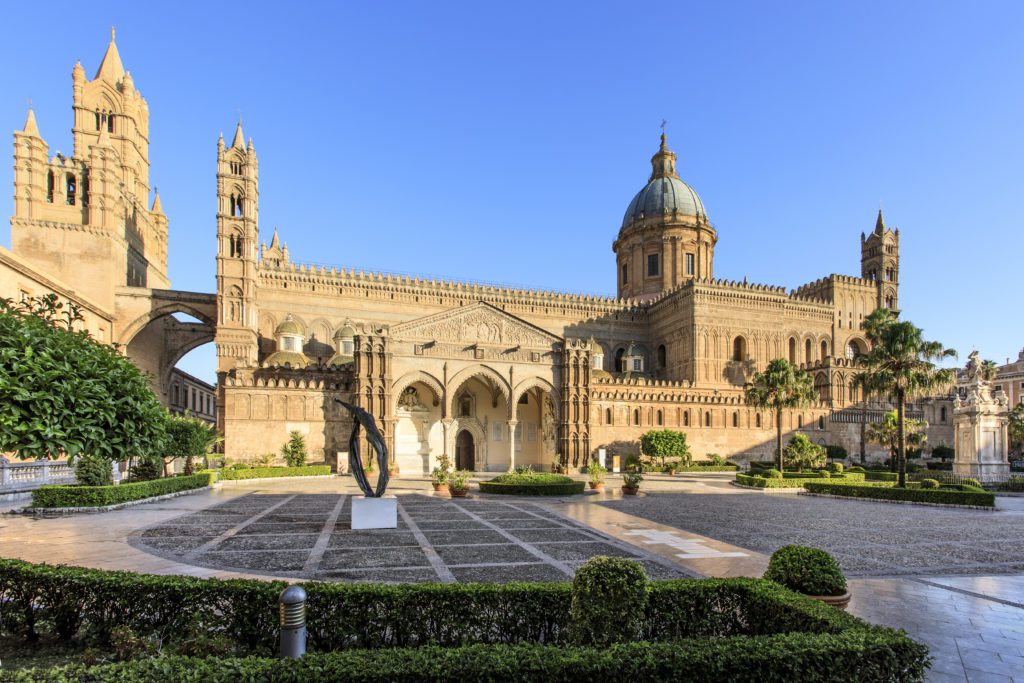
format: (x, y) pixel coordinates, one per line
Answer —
(419, 435)
(465, 450)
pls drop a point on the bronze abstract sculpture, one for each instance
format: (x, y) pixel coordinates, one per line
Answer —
(376, 439)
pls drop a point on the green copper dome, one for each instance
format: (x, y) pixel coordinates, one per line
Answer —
(665, 193)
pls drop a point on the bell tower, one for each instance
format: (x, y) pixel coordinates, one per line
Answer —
(880, 262)
(237, 236)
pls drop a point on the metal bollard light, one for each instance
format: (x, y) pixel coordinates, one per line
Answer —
(292, 604)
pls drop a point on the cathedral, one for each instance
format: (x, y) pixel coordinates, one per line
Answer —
(490, 376)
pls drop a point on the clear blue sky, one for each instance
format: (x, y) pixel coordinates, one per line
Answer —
(503, 142)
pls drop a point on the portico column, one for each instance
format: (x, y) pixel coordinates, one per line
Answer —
(446, 429)
(512, 444)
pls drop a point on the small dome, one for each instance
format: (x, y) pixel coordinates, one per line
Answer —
(665, 195)
(290, 359)
(345, 333)
(288, 326)
(338, 360)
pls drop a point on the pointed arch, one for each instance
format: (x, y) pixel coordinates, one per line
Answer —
(466, 374)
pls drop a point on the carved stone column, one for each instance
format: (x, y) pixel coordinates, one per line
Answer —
(446, 430)
(512, 444)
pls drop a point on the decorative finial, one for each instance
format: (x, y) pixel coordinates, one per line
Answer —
(663, 124)
(111, 34)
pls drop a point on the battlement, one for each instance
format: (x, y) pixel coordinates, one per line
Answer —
(822, 288)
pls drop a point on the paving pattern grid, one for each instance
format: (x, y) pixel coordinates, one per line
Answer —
(309, 536)
(868, 539)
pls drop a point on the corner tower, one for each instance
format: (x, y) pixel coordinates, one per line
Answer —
(237, 236)
(665, 238)
(880, 262)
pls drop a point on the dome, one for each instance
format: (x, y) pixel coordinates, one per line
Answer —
(338, 360)
(664, 195)
(288, 326)
(345, 333)
(290, 359)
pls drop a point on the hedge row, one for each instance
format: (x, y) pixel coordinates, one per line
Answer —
(271, 472)
(918, 495)
(707, 468)
(861, 655)
(849, 476)
(65, 496)
(65, 601)
(787, 481)
(511, 489)
(881, 476)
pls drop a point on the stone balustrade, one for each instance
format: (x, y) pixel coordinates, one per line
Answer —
(27, 475)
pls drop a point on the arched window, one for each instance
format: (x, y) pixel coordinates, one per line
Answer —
(757, 420)
(619, 367)
(821, 422)
(735, 419)
(890, 302)
(72, 186)
(807, 351)
(50, 184)
(110, 123)
(852, 350)
(625, 274)
(739, 349)
(661, 356)
(661, 419)
(98, 120)
(608, 416)
(799, 421)
(824, 350)
(942, 414)
(636, 417)
(465, 406)
(686, 418)
(707, 419)
(792, 351)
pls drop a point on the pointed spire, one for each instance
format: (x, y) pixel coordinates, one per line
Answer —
(274, 240)
(880, 223)
(111, 67)
(30, 124)
(78, 73)
(239, 141)
(157, 207)
(664, 162)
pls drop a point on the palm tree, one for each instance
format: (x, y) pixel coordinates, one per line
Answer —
(989, 370)
(900, 365)
(872, 326)
(779, 387)
(886, 433)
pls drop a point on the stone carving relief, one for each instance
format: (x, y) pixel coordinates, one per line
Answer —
(481, 323)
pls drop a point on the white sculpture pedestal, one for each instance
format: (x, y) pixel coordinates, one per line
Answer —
(980, 422)
(374, 513)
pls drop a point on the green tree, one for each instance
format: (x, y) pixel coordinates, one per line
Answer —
(901, 366)
(1016, 428)
(665, 443)
(989, 370)
(294, 451)
(778, 388)
(872, 326)
(63, 393)
(801, 453)
(187, 437)
(887, 434)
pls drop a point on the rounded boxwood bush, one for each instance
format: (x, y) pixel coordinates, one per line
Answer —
(772, 474)
(836, 468)
(929, 483)
(825, 474)
(93, 470)
(609, 601)
(532, 484)
(810, 571)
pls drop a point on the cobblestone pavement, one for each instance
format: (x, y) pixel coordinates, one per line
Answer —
(869, 539)
(308, 536)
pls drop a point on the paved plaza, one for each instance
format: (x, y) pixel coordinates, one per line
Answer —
(954, 579)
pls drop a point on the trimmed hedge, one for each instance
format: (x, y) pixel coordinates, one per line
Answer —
(708, 468)
(788, 481)
(273, 472)
(917, 495)
(64, 496)
(567, 488)
(720, 629)
(881, 476)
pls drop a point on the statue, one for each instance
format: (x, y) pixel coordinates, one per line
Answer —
(376, 439)
(973, 367)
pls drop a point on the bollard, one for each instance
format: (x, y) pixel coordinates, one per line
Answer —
(293, 622)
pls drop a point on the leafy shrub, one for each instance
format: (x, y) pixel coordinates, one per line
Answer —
(825, 474)
(439, 477)
(772, 474)
(728, 467)
(1012, 484)
(836, 468)
(146, 469)
(836, 452)
(943, 453)
(801, 452)
(59, 496)
(970, 481)
(186, 437)
(929, 483)
(857, 468)
(248, 472)
(523, 469)
(885, 491)
(609, 599)
(881, 476)
(241, 466)
(93, 470)
(715, 459)
(265, 460)
(294, 452)
(665, 443)
(810, 571)
(596, 472)
(631, 480)
(459, 480)
(536, 484)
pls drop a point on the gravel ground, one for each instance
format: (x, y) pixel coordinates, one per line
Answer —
(868, 539)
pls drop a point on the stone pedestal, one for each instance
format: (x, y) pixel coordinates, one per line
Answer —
(980, 423)
(374, 513)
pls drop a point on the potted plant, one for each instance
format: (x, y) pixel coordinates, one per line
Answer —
(458, 483)
(810, 571)
(631, 482)
(670, 468)
(439, 478)
(597, 473)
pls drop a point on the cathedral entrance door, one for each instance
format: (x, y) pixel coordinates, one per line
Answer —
(465, 455)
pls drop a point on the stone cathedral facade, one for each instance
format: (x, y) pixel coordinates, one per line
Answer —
(496, 376)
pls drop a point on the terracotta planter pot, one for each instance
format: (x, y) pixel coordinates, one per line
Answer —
(630, 491)
(599, 487)
(837, 601)
(458, 493)
(671, 473)
(441, 488)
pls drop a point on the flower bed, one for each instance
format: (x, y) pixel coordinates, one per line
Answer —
(534, 484)
(706, 629)
(885, 491)
(229, 474)
(61, 496)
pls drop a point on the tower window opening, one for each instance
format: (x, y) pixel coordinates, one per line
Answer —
(608, 416)
(625, 274)
(821, 422)
(739, 349)
(824, 350)
(72, 185)
(636, 417)
(652, 265)
(662, 356)
(98, 120)
(661, 418)
(50, 183)
(85, 189)
(807, 351)
(110, 123)
(757, 420)
(792, 351)
(735, 419)
(707, 419)
(689, 264)
(686, 418)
